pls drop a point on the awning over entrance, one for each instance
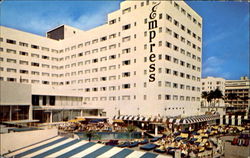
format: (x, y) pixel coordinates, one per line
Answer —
(172, 120)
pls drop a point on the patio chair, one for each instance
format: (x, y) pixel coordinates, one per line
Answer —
(148, 147)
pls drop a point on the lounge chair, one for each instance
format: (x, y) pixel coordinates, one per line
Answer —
(246, 142)
(133, 144)
(125, 144)
(148, 147)
(112, 142)
(145, 141)
(155, 139)
(161, 149)
(234, 142)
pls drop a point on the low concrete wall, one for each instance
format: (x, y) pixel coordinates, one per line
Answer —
(17, 140)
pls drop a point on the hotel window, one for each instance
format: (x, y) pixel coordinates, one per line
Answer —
(183, 39)
(175, 97)
(1, 39)
(45, 49)
(169, 18)
(45, 57)
(189, 31)
(145, 97)
(11, 70)
(73, 56)
(127, 10)
(183, 11)
(126, 39)
(112, 36)
(35, 55)
(176, 23)
(10, 41)
(1, 59)
(159, 83)
(113, 21)
(182, 86)
(194, 46)
(168, 71)
(80, 54)
(1, 79)
(193, 78)
(94, 41)
(182, 63)
(126, 86)
(45, 82)
(112, 78)
(95, 70)
(126, 62)
(182, 51)
(160, 29)
(23, 44)
(188, 54)
(126, 27)
(169, 45)
(79, 46)
(167, 57)
(167, 97)
(35, 81)
(103, 69)
(189, 16)
(113, 46)
(103, 38)
(176, 35)
(87, 43)
(176, 6)
(35, 73)
(127, 50)
(11, 51)
(159, 97)
(145, 21)
(187, 98)
(183, 27)
(35, 64)
(126, 97)
(11, 79)
(160, 16)
(126, 74)
(194, 67)
(103, 59)
(1, 49)
(103, 49)
(94, 89)
(103, 78)
(159, 70)
(167, 84)
(168, 31)
(176, 48)
(45, 74)
(11, 60)
(187, 76)
(199, 49)
(24, 71)
(175, 85)
(45, 66)
(95, 60)
(194, 57)
(34, 46)
(182, 74)
(87, 62)
(160, 56)
(175, 73)
(188, 43)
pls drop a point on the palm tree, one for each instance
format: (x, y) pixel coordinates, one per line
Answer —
(231, 96)
(210, 97)
(217, 94)
(204, 95)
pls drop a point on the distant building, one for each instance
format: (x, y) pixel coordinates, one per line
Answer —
(145, 60)
(211, 84)
(240, 90)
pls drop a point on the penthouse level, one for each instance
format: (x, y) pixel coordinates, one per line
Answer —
(110, 65)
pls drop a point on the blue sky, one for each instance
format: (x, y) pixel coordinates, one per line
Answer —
(225, 27)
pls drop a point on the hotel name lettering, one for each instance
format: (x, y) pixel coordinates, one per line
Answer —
(152, 25)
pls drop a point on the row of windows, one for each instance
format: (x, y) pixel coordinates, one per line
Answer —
(23, 44)
(159, 97)
(182, 27)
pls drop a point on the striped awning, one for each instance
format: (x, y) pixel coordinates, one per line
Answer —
(68, 147)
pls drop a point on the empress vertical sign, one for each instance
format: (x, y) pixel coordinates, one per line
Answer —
(152, 25)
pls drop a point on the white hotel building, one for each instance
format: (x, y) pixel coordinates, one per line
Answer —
(146, 60)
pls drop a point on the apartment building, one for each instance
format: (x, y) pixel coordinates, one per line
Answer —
(146, 60)
(212, 83)
(240, 92)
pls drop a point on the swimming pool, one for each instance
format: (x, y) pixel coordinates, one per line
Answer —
(111, 135)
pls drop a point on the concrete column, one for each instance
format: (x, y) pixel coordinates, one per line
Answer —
(51, 117)
(81, 113)
(221, 120)
(227, 119)
(233, 120)
(156, 130)
(30, 112)
(10, 113)
(239, 120)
